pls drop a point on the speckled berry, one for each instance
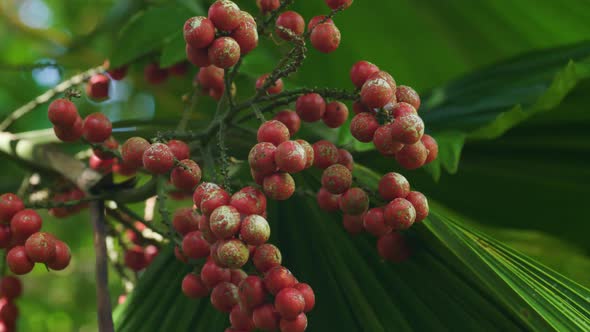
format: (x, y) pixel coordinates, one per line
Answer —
(158, 158)
(407, 129)
(289, 302)
(393, 185)
(225, 15)
(376, 92)
(213, 199)
(345, 159)
(225, 221)
(266, 256)
(279, 186)
(254, 230)
(310, 107)
(249, 200)
(360, 71)
(292, 21)
(186, 176)
(132, 151)
(420, 204)
(408, 95)
(335, 115)
(363, 126)
(224, 296)
(325, 154)
(246, 35)
(290, 157)
(309, 153)
(400, 214)
(325, 37)
(262, 158)
(336, 179)
(232, 254)
(402, 109)
(224, 52)
(384, 143)
(431, 146)
(273, 131)
(412, 156)
(199, 32)
(354, 202)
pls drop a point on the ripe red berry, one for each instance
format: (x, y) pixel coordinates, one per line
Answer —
(153, 74)
(25, 223)
(335, 4)
(354, 202)
(408, 95)
(212, 275)
(274, 132)
(62, 113)
(97, 128)
(325, 37)
(249, 200)
(180, 149)
(186, 176)
(292, 21)
(224, 296)
(407, 129)
(18, 262)
(266, 318)
(279, 186)
(393, 247)
(412, 156)
(327, 201)
(420, 203)
(10, 204)
(185, 220)
(62, 257)
(212, 200)
(40, 247)
(10, 287)
(335, 115)
(325, 154)
(197, 56)
(290, 119)
(158, 158)
(268, 5)
(309, 153)
(193, 287)
(118, 73)
(262, 158)
(289, 302)
(224, 52)
(360, 71)
(278, 278)
(251, 292)
(290, 157)
(5, 236)
(363, 127)
(266, 256)
(97, 87)
(310, 107)
(70, 134)
(374, 222)
(240, 319)
(211, 77)
(316, 20)
(232, 253)
(199, 32)
(336, 179)
(246, 35)
(132, 151)
(345, 158)
(254, 230)
(299, 324)
(393, 185)
(135, 258)
(195, 246)
(308, 295)
(237, 276)
(275, 88)
(384, 142)
(225, 15)
(200, 192)
(431, 146)
(400, 214)
(225, 221)
(383, 75)
(376, 92)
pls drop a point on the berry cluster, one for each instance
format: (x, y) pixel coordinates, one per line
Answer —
(69, 126)
(20, 235)
(137, 256)
(10, 289)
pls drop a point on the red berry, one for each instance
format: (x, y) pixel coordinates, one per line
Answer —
(274, 132)
(251, 292)
(135, 258)
(431, 146)
(292, 21)
(278, 186)
(345, 158)
(275, 88)
(325, 37)
(393, 247)
(158, 158)
(266, 256)
(195, 246)
(353, 224)
(316, 20)
(400, 214)
(335, 4)
(199, 32)
(308, 295)
(354, 202)
(266, 318)
(401, 109)
(310, 107)
(10, 204)
(278, 278)
(225, 221)
(335, 115)
(254, 230)
(420, 204)
(10, 287)
(132, 151)
(18, 262)
(376, 91)
(412, 156)
(118, 73)
(62, 113)
(185, 220)
(262, 158)
(224, 296)
(325, 154)
(237, 276)
(8, 315)
(153, 74)
(407, 129)
(384, 143)
(249, 200)
(40, 247)
(374, 222)
(212, 275)
(197, 56)
(25, 223)
(290, 157)
(97, 87)
(327, 201)
(246, 34)
(408, 95)
(363, 127)
(70, 134)
(232, 254)
(193, 287)
(309, 154)
(186, 176)
(290, 119)
(268, 5)
(224, 52)
(383, 75)
(299, 324)
(214, 199)
(336, 179)
(62, 257)
(180, 149)
(225, 14)
(97, 128)
(179, 255)
(360, 71)
(240, 319)
(393, 185)
(211, 77)
(5, 236)
(289, 302)
(201, 191)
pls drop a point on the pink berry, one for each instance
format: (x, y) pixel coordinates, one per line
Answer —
(354, 202)
(384, 142)
(180, 149)
(401, 109)
(251, 292)
(132, 151)
(290, 157)
(363, 126)
(225, 15)
(400, 214)
(335, 115)
(224, 52)
(186, 176)
(376, 92)
(393, 185)
(279, 186)
(211, 77)
(262, 158)
(336, 179)
(431, 146)
(199, 32)
(327, 201)
(203, 189)
(360, 71)
(325, 154)
(420, 203)
(274, 132)
(412, 156)
(325, 37)
(290, 119)
(213, 199)
(292, 21)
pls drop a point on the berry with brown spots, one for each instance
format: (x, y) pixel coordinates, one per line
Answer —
(400, 214)
(279, 186)
(363, 127)
(420, 203)
(249, 200)
(376, 91)
(266, 256)
(354, 202)
(232, 254)
(336, 179)
(407, 129)
(325, 154)
(292, 21)
(335, 115)
(393, 185)
(62, 113)
(97, 128)
(290, 157)
(384, 142)
(310, 107)
(325, 37)
(213, 199)
(199, 32)
(158, 158)
(262, 158)
(201, 190)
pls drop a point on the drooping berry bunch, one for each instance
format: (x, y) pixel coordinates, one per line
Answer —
(11, 289)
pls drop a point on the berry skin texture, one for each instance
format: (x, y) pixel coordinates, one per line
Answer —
(225, 221)
(97, 128)
(18, 262)
(273, 131)
(401, 109)
(336, 179)
(335, 4)
(193, 287)
(308, 295)
(251, 292)
(62, 257)
(335, 115)
(431, 146)
(407, 129)
(262, 158)
(185, 220)
(376, 92)
(194, 245)
(316, 20)
(374, 222)
(279, 186)
(309, 153)
(345, 159)
(70, 134)
(246, 35)
(412, 156)
(384, 143)
(97, 87)
(212, 275)
(290, 119)
(275, 88)
(278, 278)
(266, 256)
(290, 20)
(360, 72)
(420, 203)
(224, 296)
(224, 52)
(158, 158)
(225, 15)
(179, 149)
(393, 185)
(289, 302)
(325, 37)
(290, 157)
(197, 56)
(25, 223)
(408, 95)
(310, 107)
(233, 254)
(10, 204)
(10, 287)
(400, 214)
(354, 202)
(363, 127)
(199, 32)
(393, 247)
(254, 230)
(327, 201)
(240, 320)
(40, 247)
(249, 200)
(325, 154)
(62, 113)
(211, 77)
(153, 74)
(299, 324)
(266, 318)
(201, 191)
(186, 176)
(132, 151)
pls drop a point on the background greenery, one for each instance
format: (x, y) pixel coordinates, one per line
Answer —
(505, 91)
